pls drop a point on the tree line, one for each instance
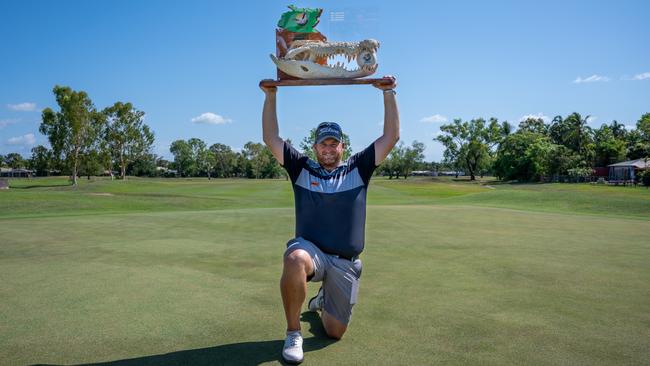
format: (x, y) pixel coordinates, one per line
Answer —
(540, 150)
(85, 141)
(193, 158)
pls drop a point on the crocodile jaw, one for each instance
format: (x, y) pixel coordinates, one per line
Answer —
(308, 59)
(312, 70)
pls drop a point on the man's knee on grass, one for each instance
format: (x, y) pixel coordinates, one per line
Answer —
(333, 327)
(298, 260)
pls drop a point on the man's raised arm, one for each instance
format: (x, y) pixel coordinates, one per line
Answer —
(385, 143)
(270, 130)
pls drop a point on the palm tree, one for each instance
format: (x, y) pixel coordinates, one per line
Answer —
(618, 129)
(579, 131)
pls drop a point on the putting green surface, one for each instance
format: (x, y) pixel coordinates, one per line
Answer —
(169, 272)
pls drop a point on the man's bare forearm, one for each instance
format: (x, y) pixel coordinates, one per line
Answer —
(270, 129)
(385, 143)
(391, 117)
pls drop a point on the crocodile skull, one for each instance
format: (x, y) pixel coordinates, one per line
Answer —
(309, 59)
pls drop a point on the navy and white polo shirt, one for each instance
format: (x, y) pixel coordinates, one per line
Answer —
(331, 206)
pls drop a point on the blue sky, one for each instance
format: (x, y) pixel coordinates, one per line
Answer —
(453, 59)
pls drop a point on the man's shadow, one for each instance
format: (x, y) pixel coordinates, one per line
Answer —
(244, 353)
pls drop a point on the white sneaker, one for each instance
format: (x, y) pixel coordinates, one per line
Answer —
(292, 352)
(316, 302)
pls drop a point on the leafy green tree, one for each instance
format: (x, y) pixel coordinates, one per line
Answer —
(645, 178)
(242, 166)
(95, 158)
(609, 148)
(271, 168)
(451, 156)
(183, 161)
(145, 166)
(533, 125)
(191, 157)
(412, 155)
(209, 162)
(638, 141)
(41, 160)
(574, 133)
(262, 164)
(559, 130)
(199, 156)
(426, 165)
(487, 165)
(506, 129)
(307, 145)
(470, 143)
(580, 174)
(531, 156)
(402, 160)
(540, 154)
(74, 129)
(636, 145)
(643, 125)
(618, 129)
(514, 159)
(91, 163)
(562, 159)
(15, 161)
(225, 160)
(391, 165)
(105, 158)
(128, 138)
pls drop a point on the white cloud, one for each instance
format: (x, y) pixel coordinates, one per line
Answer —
(6, 122)
(24, 140)
(434, 119)
(541, 115)
(591, 79)
(592, 119)
(22, 107)
(210, 118)
(642, 76)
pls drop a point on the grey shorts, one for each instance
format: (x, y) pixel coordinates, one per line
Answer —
(340, 278)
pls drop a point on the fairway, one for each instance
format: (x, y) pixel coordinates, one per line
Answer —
(169, 272)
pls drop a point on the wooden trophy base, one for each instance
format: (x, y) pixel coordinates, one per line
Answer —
(387, 80)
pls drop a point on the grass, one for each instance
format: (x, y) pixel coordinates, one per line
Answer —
(54, 196)
(168, 272)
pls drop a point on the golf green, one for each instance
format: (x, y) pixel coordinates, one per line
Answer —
(156, 272)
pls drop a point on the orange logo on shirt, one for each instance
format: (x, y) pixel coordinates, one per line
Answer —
(314, 184)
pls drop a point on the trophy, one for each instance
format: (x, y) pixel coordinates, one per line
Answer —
(303, 55)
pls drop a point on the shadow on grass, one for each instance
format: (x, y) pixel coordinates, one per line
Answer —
(41, 186)
(244, 353)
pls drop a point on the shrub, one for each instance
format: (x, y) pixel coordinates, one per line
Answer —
(645, 178)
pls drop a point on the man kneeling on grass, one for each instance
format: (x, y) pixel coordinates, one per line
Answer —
(330, 200)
